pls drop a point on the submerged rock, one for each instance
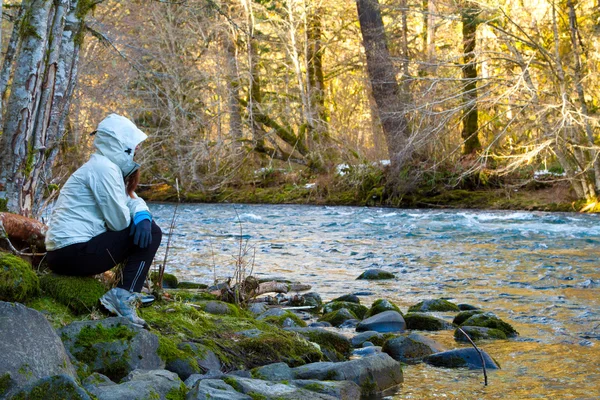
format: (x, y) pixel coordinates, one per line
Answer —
(373, 374)
(459, 358)
(489, 320)
(376, 274)
(381, 305)
(387, 321)
(112, 346)
(30, 349)
(425, 322)
(434, 305)
(478, 333)
(411, 349)
(142, 384)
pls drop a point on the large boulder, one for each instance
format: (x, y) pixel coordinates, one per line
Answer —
(214, 389)
(112, 346)
(461, 358)
(141, 385)
(440, 305)
(259, 389)
(29, 348)
(387, 321)
(79, 293)
(57, 387)
(18, 281)
(411, 349)
(373, 374)
(425, 322)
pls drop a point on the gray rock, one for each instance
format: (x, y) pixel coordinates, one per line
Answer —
(251, 333)
(112, 346)
(368, 344)
(141, 385)
(61, 387)
(359, 339)
(458, 358)
(313, 299)
(366, 351)
(257, 308)
(322, 324)
(97, 379)
(387, 321)
(274, 372)
(242, 373)
(217, 308)
(30, 349)
(192, 379)
(349, 323)
(289, 323)
(334, 345)
(425, 322)
(214, 389)
(410, 349)
(376, 274)
(352, 298)
(373, 374)
(258, 388)
(346, 390)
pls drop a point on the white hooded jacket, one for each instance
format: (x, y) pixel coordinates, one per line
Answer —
(94, 198)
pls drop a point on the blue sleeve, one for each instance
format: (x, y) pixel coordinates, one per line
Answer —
(140, 216)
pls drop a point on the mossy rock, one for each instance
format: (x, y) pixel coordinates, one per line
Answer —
(424, 322)
(58, 387)
(381, 305)
(477, 333)
(191, 285)
(217, 307)
(191, 296)
(376, 275)
(488, 320)
(464, 315)
(329, 341)
(280, 319)
(169, 280)
(440, 305)
(356, 309)
(270, 348)
(80, 294)
(18, 281)
(338, 317)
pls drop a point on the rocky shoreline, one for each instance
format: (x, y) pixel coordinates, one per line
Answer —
(292, 346)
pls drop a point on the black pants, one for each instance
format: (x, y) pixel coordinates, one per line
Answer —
(103, 252)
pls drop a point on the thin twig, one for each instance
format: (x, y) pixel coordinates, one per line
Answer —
(480, 355)
(161, 270)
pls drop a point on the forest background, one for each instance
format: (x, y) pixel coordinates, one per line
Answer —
(398, 102)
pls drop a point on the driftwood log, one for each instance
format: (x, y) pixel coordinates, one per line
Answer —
(21, 234)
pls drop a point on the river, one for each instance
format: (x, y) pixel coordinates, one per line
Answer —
(538, 271)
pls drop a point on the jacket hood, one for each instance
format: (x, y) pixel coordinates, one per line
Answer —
(116, 139)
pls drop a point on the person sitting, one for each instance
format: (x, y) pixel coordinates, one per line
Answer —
(98, 221)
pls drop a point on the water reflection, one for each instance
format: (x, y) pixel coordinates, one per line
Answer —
(537, 270)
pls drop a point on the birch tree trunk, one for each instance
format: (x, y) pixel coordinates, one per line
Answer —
(382, 75)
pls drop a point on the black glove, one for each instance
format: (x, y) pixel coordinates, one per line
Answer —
(142, 233)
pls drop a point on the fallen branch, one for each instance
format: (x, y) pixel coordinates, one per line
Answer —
(23, 230)
(281, 287)
(480, 355)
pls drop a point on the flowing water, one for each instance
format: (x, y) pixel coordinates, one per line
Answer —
(538, 271)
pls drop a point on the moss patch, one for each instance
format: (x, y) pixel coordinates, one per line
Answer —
(80, 294)
(191, 285)
(381, 305)
(434, 305)
(177, 393)
(5, 383)
(191, 296)
(56, 313)
(329, 341)
(464, 315)
(478, 333)
(356, 309)
(18, 281)
(279, 321)
(269, 348)
(424, 322)
(170, 281)
(491, 321)
(337, 317)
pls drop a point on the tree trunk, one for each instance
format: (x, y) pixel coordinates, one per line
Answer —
(233, 90)
(316, 80)
(470, 114)
(382, 75)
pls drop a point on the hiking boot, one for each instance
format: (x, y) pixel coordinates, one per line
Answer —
(144, 298)
(123, 303)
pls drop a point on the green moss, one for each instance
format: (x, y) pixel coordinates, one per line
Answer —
(315, 387)
(464, 315)
(368, 388)
(329, 341)
(177, 393)
(233, 383)
(376, 275)
(191, 295)
(381, 305)
(476, 335)
(280, 320)
(269, 348)
(56, 313)
(52, 388)
(424, 322)
(169, 280)
(5, 383)
(491, 321)
(80, 294)
(440, 305)
(337, 317)
(357, 309)
(3, 205)
(18, 281)
(257, 396)
(191, 285)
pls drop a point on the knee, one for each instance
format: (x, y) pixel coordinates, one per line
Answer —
(156, 233)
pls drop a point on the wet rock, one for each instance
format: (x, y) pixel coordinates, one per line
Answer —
(257, 388)
(321, 324)
(381, 305)
(434, 305)
(346, 390)
(358, 340)
(335, 346)
(356, 309)
(387, 321)
(465, 315)
(478, 333)
(61, 387)
(366, 351)
(273, 372)
(313, 299)
(489, 320)
(425, 322)
(411, 349)
(257, 308)
(373, 374)
(467, 307)
(214, 389)
(349, 323)
(140, 385)
(376, 274)
(112, 346)
(350, 298)
(30, 349)
(337, 317)
(459, 358)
